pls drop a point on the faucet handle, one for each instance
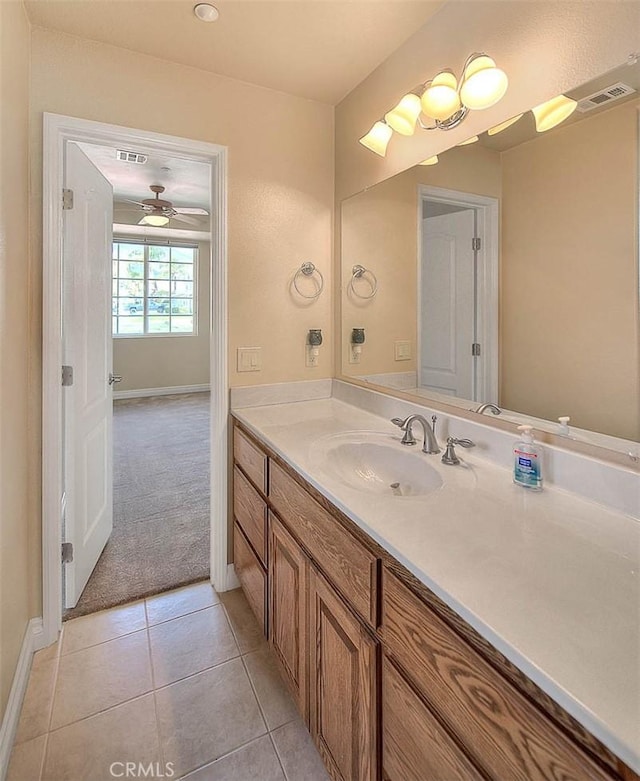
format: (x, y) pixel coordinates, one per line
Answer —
(450, 456)
(461, 442)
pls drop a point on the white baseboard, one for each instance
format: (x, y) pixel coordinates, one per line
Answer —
(32, 641)
(140, 393)
(232, 578)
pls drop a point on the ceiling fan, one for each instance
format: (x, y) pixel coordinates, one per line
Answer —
(158, 212)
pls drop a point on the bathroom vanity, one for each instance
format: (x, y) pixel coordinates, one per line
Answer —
(430, 634)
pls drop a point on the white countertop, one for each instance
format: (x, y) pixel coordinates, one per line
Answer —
(550, 579)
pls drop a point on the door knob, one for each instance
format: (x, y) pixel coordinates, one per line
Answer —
(114, 378)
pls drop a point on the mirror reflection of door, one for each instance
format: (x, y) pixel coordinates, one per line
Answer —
(448, 300)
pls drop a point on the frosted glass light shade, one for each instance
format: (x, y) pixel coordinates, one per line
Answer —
(404, 116)
(377, 138)
(493, 131)
(553, 112)
(483, 83)
(440, 100)
(157, 220)
(430, 161)
(471, 140)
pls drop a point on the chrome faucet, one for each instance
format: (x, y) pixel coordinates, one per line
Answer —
(430, 443)
(488, 406)
(450, 456)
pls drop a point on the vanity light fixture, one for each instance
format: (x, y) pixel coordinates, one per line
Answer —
(444, 100)
(378, 138)
(430, 161)
(553, 112)
(156, 220)
(471, 140)
(493, 131)
(206, 12)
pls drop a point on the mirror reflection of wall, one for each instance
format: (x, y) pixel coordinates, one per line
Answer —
(557, 271)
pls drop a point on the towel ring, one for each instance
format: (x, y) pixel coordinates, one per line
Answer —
(359, 272)
(308, 270)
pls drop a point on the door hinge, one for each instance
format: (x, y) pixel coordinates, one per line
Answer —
(476, 244)
(475, 349)
(67, 552)
(67, 199)
(67, 376)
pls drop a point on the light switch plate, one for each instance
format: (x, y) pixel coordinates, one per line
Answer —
(249, 359)
(403, 351)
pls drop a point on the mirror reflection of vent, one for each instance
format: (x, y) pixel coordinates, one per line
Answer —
(603, 96)
(130, 157)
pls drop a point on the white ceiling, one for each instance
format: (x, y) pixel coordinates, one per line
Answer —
(317, 49)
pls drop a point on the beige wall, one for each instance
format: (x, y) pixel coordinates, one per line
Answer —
(280, 194)
(569, 282)
(17, 550)
(380, 231)
(168, 361)
(545, 47)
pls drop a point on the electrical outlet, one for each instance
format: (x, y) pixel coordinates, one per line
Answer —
(312, 356)
(355, 353)
(403, 351)
(249, 359)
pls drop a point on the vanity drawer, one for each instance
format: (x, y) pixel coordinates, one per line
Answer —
(251, 574)
(344, 560)
(415, 747)
(501, 730)
(252, 460)
(250, 512)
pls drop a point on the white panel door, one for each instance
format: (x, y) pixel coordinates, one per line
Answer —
(88, 412)
(448, 304)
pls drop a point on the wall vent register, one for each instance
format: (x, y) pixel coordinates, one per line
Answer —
(608, 95)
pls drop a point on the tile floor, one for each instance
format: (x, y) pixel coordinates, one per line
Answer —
(182, 682)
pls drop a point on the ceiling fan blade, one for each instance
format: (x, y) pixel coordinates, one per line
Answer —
(142, 222)
(190, 210)
(187, 220)
(137, 203)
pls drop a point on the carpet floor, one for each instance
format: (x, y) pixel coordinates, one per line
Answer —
(160, 537)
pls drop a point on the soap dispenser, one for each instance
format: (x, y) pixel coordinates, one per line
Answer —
(527, 461)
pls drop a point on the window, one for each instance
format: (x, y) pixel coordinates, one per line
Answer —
(153, 289)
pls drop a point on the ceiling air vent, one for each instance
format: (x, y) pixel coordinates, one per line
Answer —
(608, 95)
(130, 157)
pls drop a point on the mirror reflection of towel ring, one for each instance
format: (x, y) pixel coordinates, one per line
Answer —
(360, 272)
(308, 270)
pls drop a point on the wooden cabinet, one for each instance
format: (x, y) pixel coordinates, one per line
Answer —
(250, 511)
(288, 568)
(251, 458)
(342, 685)
(251, 574)
(415, 746)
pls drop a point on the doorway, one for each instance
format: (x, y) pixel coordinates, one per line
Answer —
(73, 453)
(457, 294)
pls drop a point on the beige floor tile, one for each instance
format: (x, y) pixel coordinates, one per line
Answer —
(208, 715)
(45, 654)
(277, 704)
(100, 627)
(85, 751)
(173, 604)
(26, 760)
(257, 761)
(245, 627)
(298, 755)
(100, 677)
(36, 708)
(190, 644)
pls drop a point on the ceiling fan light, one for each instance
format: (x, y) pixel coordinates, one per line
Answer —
(377, 138)
(483, 83)
(440, 100)
(553, 112)
(430, 161)
(156, 220)
(471, 140)
(493, 131)
(404, 116)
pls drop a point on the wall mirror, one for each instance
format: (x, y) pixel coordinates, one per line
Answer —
(507, 272)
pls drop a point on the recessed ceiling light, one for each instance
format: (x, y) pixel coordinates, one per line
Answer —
(206, 12)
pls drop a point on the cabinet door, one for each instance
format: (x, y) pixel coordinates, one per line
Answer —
(288, 610)
(415, 747)
(342, 685)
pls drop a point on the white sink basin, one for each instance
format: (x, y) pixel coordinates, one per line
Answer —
(378, 464)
